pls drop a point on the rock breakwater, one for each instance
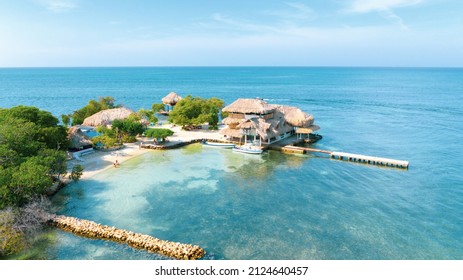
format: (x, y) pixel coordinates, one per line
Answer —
(91, 229)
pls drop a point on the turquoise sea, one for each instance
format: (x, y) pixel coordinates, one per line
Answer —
(274, 206)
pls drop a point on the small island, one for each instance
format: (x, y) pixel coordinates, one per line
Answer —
(93, 143)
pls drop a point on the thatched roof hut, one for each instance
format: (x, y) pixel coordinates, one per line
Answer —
(230, 120)
(236, 133)
(266, 129)
(249, 106)
(266, 122)
(295, 116)
(171, 99)
(78, 140)
(106, 117)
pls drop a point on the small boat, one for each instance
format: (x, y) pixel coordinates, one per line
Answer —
(219, 144)
(248, 150)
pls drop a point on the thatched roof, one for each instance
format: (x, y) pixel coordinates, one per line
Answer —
(231, 132)
(171, 99)
(295, 116)
(267, 128)
(307, 130)
(278, 125)
(106, 117)
(249, 106)
(283, 120)
(252, 123)
(77, 138)
(230, 120)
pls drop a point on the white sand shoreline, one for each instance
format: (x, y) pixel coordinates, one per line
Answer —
(99, 161)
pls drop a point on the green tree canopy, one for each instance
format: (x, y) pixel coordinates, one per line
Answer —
(195, 111)
(131, 126)
(76, 173)
(30, 114)
(149, 115)
(157, 107)
(104, 140)
(91, 108)
(27, 129)
(159, 133)
(24, 182)
(121, 131)
(66, 119)
(32, 153)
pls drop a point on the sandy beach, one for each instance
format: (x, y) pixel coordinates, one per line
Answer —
(99, 161)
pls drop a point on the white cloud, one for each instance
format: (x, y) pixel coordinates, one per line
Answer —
(296, 11)
(290, 19)
(383, 7)
(241, 25)
(300, 7)
(58, 6)
(395, 18)
(366, 6)
(337, 46)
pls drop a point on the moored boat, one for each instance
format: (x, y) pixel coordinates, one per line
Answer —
(219, 144)
(248, 149)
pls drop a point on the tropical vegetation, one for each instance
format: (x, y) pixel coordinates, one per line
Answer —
(91, 108)
(193, 111)
(121, 131)
(32, 158)
(159, 133)
(157, 107)
(32, 153)
(150, 115)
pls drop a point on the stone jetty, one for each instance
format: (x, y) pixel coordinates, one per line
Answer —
(91, 229)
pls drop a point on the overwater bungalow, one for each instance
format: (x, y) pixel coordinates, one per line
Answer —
(169, 101)
(259, 123)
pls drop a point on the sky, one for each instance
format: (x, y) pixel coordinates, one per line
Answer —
(392, 33)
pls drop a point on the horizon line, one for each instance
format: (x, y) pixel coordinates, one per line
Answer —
(230, 66)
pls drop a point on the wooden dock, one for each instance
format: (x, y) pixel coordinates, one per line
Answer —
(349, 157)
(303, 150)
(370, 160)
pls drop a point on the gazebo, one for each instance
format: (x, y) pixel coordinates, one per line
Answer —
(306, 130)
(171, 99)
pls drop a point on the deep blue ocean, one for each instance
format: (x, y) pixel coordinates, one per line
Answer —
(275, 206)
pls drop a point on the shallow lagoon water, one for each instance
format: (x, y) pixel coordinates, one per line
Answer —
(273, 206)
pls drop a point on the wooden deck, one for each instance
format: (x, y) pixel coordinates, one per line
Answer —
(303, 150)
